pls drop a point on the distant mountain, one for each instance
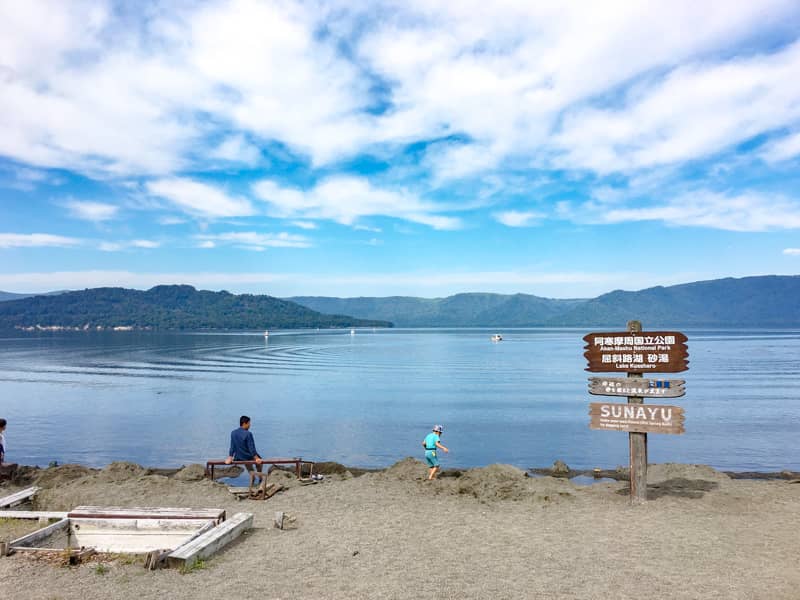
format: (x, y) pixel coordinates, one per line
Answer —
(4, 296)
(461, 310)
(11, 296)
(166, 307)
(766, 301)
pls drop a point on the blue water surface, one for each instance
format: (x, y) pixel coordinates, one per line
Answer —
(166, 399)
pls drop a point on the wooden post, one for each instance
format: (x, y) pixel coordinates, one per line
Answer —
(637, 443)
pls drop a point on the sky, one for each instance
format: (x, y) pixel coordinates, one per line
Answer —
(423, 148)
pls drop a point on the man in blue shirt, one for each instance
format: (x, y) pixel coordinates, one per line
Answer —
(431, 443)
(243, 446)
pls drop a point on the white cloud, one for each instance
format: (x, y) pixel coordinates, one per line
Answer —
(92, 211)
(695, 112)
(252, 240)
(345, 199)
(95, 92)
(791, 251)
(238, 150)
(171, 220)
(199, 199)
(516, 218)
(735, 212)
(145, 244)
(34, 240)
(784, 148)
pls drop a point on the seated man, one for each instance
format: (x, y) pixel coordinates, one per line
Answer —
(243, 446)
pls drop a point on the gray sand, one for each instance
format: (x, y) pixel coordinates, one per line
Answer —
(492, 533)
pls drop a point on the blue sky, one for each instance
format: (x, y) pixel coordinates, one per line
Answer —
(385, 148)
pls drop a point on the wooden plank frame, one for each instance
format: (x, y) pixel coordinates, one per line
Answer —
(211, 541)
(28, 542)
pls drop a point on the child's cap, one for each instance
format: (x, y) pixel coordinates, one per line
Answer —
(438, 428)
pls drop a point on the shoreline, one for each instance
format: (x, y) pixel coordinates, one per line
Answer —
(490, 531)
(559, 470)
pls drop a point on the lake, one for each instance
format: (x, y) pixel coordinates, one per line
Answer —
(166, 399)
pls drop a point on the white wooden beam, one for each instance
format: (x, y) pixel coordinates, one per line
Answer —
(18, 497)
(31, 514)
(211, 541)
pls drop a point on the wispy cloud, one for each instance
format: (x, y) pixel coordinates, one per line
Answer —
(784, 148)
(128, 244)
(33, 240)
(199, 199)
(24, 178)
(345, 199)
(516, 218)
(791, 251)
(91, 211)
(252, 240)
(305, 224)
(734, 212)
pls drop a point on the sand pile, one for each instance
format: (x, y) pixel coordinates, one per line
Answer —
(127, 484)
(191, 473)
(504, 482)
(408, 469)
(667, 471)
(55, 476)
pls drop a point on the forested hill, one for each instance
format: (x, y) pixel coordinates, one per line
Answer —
(765, 301)
(166, 307)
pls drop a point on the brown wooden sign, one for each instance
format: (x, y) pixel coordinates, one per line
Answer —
(637, 352)
(643, 388)
(641, 418)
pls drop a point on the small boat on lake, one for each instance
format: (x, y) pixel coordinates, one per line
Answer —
(497, 337)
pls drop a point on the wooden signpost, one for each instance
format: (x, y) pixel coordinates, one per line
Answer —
(652, 418)
(636, 352)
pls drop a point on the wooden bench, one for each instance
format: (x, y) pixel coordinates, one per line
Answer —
(299, 465)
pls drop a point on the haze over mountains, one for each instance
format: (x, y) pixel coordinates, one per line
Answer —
(764, 301)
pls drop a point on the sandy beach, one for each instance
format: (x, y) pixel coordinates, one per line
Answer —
(493, 532)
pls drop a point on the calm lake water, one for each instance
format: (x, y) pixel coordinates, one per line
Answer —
(370, 398)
